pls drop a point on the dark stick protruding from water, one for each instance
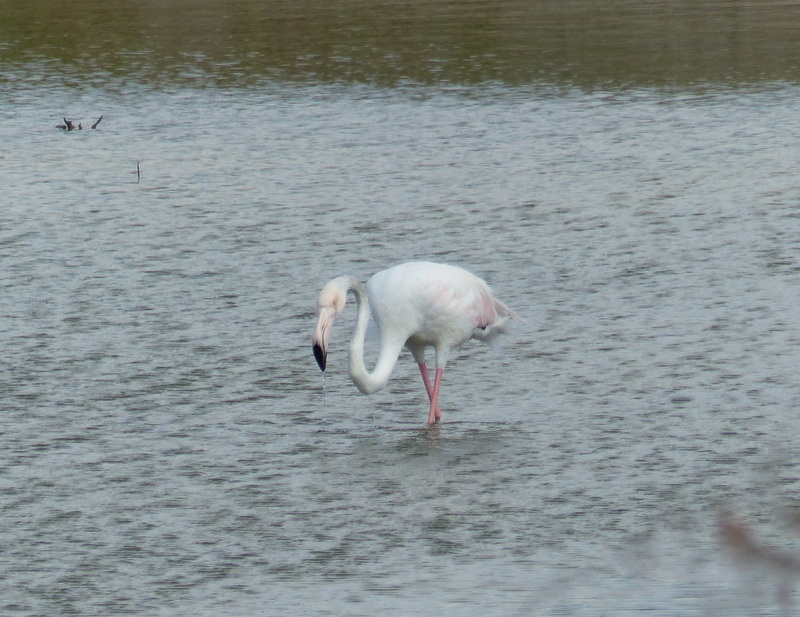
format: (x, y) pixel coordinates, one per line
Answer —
(69, 125)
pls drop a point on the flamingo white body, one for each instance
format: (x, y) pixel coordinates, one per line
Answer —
(415, 305)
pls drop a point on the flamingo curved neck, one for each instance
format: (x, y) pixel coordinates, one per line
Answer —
(365, 381)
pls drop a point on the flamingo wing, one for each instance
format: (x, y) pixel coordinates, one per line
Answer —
(434, 303)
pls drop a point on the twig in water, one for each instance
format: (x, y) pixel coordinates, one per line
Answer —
(69, 125)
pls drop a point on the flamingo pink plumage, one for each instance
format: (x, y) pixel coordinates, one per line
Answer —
(415, 305)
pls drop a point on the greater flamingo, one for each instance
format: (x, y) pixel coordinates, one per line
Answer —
(417, 305)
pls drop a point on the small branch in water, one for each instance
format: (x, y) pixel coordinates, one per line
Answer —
(69, 125)
(138, 175)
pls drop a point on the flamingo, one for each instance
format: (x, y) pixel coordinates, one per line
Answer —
(415, 305)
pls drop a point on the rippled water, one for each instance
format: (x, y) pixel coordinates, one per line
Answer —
(166, 445)
(609, 44)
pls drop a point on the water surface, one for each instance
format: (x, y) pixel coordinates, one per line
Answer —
(616, 43)
(167, 448)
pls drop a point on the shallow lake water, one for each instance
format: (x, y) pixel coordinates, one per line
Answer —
(166, 444)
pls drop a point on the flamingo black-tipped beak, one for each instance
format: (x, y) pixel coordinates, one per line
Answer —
(320, 356)
(321, 335)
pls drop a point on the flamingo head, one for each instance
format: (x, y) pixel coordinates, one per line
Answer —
(330, 303)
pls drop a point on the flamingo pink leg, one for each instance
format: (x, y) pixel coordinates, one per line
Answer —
(424, 372)
(435, 414)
